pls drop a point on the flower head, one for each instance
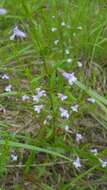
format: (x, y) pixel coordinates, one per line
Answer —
(64, 113)
(14, 157)
(79, 64)
(3, 11)
(62, 96)
(5, 77)
(69, 60)
(17, 33)
(77, 163)
(74, 108)
(94, 151)
(38, 108)
(8, 88)
(25, 97)
(53, 29)
(92, 100)
(103, 163)
(79, 137)
(70, 77)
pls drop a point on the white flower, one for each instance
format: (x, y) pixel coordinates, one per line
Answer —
(53, 16)
(62, 96)
(53, 29)
(79, 64)
(56, 42)
(64, 113)
(67, 51)
(5, 77)
(79, 137)
(69, 60)
(103, 163)
(79, 27)
(48, 118)
(38, 108)
(25, 97)
(3, 11)
(70, 77)
(63, 23)
(17, 33)
(94, 151)
(92, 100)
(36, 98)
(14, 157)
(66, 128)
(8, 88)
(74, 108)
(77, 163)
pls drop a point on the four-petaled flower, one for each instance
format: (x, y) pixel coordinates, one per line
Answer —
(17, 33)
(64, 113)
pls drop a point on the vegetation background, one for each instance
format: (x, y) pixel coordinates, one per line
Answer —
(39, 152)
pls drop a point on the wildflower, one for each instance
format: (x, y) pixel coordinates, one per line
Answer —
(5, 77)
(17, 33)
(14, 157)
(40, 92)
(79, 137)
(103, 163)
(64, 113)
(79, 27)
(92, 100)
(70, 77)
(67, 52)
(38, 108)
(62, 96)
(79, 64)
(3, 11)
(66, 128)
(48, 118)
(63, 23)
(56, 42)
(53, 16)
(77, 163)
(94, 151)
(25, 97)
(69, 60)
(8, 88)
(74, 108)
(53, 29)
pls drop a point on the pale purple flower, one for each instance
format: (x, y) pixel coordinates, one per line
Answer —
(70, 77)
(74, 108)
(8, 88)
(103, 163)
(3, 11)
(5, 77)
(62, 96)
(40, 92)
(64, 113)
(17, 33)
(79, 137)
(94, 151)
(77, 163)
(38, 108)
(25, 97)
(92, 100)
